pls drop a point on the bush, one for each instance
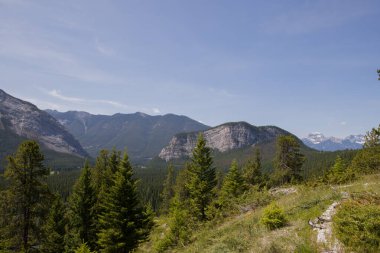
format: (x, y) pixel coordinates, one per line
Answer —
(357, 223)
(274, 217)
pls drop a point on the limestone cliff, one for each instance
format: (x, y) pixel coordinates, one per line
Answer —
(221, 138)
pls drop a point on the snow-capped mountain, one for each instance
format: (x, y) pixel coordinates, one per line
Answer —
(320, 142)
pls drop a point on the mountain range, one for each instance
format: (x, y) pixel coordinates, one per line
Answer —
(320, 142)
(72, 136)
(142, 135)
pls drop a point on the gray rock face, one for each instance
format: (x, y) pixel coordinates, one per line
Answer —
(26, 120)
(221, 138)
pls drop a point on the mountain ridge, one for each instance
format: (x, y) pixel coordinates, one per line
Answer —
(24, 119)
(320, 142)
(225, 137)
(143, 135)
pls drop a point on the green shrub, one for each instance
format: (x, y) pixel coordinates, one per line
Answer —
(357, 223)
(274, 217)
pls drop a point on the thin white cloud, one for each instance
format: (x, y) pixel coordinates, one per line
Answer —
(343, 123)
(57, 94)
(102, 49)
(156, 110)
(75, 100)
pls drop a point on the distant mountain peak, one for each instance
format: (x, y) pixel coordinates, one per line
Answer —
(319, 141)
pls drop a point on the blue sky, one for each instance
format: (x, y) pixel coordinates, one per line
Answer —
(304, 66)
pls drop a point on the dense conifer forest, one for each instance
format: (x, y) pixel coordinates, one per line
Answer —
(109, 206)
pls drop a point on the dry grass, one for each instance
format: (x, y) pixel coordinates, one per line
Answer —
(244, 233)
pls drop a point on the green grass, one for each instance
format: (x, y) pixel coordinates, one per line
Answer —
(243, 232)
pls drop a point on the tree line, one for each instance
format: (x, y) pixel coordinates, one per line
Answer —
(103, 213)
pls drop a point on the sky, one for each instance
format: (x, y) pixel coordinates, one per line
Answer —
(302, 65)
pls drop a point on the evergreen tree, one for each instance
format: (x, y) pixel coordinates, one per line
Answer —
(168, 191)
(233, 183)
(81, 211)
(83, 248)
(124, 223)
(100, 171)
(288, 160)
(367, 160)
(26, 198)
(55, 228)
(372, 138)
(340, 173)
(252, 170)
(202, 179)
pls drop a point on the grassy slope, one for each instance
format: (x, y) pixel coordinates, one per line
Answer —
(242, 232)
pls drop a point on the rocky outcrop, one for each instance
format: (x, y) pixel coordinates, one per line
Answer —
(26, 120)
(221, 138)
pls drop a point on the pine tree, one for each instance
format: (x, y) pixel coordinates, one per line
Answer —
(55, 228)
(202, 179)
(124, 223)
(26, 198)
(252, 171)
(372, 138)
(289, 160)
(81, 210)
(233, 183)
(83, 248)
(168, 190)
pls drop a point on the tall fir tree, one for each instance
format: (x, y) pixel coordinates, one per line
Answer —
(168, 190)
(202, 179)
(233, 184)
(26, 198)
(124, 223)
(100, 170)
(81, 211)
(288, 160)
(252, 170)
(55, 227)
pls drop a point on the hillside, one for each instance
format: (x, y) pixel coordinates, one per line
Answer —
(21, 120)
(241, 230)
(143, 135)
(222, 138)
(53, 159)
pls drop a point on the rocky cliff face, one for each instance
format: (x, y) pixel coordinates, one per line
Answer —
(221, 138)
(26, 120)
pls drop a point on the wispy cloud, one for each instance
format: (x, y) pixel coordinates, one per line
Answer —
(57, 94)
(102, 49)
(77, 102)
(156, 110)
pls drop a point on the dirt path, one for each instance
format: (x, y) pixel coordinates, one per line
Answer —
(323, 226)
